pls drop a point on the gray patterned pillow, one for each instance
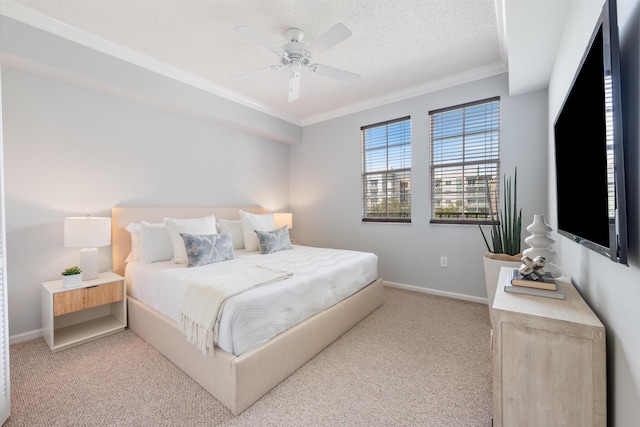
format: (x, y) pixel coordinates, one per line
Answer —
(273, 241)
(205, 249)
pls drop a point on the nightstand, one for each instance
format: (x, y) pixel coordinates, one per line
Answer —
(72, 316)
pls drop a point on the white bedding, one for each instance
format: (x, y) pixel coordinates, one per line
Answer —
(321, 278)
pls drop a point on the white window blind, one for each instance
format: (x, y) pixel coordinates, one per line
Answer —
(465, 161)
(386, 171)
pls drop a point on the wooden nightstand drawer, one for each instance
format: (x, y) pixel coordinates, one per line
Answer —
(81, 299)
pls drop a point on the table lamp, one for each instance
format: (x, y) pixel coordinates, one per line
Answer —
(88, 233)
(283, 218)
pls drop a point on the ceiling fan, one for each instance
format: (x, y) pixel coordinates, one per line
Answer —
(297, 56)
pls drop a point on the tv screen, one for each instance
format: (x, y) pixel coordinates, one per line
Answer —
(589, 148)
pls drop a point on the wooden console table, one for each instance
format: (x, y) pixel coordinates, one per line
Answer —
(549, 360)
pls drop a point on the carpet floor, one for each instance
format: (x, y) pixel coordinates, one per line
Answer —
(419, 360)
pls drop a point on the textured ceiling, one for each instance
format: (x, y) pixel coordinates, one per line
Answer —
(398, 47)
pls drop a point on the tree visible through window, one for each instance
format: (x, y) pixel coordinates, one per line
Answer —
(386, 171)
(465, 159)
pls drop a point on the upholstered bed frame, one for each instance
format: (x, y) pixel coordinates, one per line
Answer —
(236, 381)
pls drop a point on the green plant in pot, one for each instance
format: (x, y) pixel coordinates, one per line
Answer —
(72, 271)
(72, 277)
(503, 249)
(506, 224)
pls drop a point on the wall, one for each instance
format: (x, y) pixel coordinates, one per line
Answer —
(612, 290)
(70, 151)
(328, 161)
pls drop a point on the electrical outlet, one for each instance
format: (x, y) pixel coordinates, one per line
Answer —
(443, 261)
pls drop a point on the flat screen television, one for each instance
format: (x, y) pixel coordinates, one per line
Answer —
(589, 151)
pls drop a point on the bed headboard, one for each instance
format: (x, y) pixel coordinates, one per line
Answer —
(121, 216)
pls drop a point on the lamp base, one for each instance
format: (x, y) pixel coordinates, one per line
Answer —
(89, 263)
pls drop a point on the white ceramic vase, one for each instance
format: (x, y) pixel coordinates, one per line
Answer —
(541, 244)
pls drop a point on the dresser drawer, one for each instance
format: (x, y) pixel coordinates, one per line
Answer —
(81, 299)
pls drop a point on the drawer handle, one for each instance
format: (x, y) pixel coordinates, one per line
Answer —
(89, 287)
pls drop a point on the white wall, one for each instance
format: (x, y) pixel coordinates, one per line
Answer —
(326, 188)
(612, 290)
(70, 151)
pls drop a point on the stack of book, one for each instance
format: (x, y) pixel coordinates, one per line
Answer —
(544, 286)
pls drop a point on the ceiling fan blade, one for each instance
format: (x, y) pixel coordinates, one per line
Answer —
(335, 73)
(260, 39)
(256, 72)
(335, 35)
(294, 86)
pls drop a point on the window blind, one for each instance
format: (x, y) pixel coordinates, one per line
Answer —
(465, 162)
(386, 171)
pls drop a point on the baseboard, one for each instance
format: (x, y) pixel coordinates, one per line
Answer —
(437, 292)
(27, 336)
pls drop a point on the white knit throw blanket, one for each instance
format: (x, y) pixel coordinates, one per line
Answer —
(203, 300)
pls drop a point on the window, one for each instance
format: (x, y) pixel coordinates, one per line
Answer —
(386, 171)
(465, 160)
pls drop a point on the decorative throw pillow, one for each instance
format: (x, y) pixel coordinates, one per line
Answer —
(251, 222)
(204, 225)
(205, 249)
(235, 228)
(273, 241)
(155, 245)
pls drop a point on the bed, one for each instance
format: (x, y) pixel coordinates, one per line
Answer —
(237, 373)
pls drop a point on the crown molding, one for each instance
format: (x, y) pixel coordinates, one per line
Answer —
(45, 23)
(490, 70)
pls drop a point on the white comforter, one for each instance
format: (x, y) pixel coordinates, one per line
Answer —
(321, 278)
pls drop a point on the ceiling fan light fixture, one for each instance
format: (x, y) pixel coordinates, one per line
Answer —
(296, 56)
(294, 85)
(295, 65)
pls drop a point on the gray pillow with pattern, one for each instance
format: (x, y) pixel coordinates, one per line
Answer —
(273, 241)
(205, 249)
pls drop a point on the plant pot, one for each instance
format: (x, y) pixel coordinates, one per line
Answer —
(492, 265)
(72, 281)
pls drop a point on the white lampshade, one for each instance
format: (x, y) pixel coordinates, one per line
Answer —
(88, 233)
(283, 218)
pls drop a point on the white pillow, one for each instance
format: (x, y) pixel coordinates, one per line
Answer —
(204, 225)
(235, 229)
(136, 241)
(155, 244)
(251, 222)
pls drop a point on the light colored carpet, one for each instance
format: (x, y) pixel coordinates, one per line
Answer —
(419, 360)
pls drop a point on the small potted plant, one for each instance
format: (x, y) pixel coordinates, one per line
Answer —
(72, 277)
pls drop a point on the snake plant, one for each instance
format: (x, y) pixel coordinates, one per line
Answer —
(506, 224)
